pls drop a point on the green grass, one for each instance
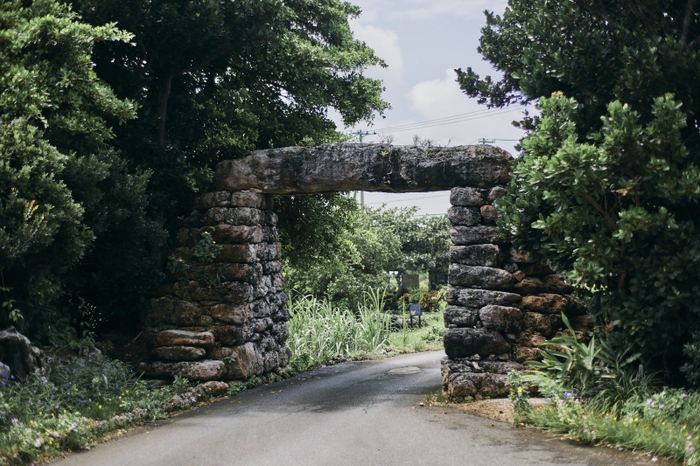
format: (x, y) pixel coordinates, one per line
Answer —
(428, 337)
(73, 403)
(666, 423)
(319, 331)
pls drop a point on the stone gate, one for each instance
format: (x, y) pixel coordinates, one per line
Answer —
(224, 318)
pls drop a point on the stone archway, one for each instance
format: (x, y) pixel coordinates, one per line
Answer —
(225, 317)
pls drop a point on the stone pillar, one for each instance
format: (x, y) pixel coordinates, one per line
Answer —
(501, 303)
(223, 315)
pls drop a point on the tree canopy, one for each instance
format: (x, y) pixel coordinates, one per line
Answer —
(108, 133)
(607, 186)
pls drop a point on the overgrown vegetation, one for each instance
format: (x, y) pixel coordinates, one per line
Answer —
(591, 395)
(320, 332)
(608, 184)
(73, 403)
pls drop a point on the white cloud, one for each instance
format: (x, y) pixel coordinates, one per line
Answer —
(441, 98)
(385, 43)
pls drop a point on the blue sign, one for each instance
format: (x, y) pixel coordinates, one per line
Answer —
(415, 310)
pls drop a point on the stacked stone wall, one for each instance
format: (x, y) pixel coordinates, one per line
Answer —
(501, 303)
(222, 319)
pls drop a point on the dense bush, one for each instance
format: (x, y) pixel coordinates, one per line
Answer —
(72, 404)
(607, 186)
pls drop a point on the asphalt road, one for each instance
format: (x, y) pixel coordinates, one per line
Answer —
(357, 413)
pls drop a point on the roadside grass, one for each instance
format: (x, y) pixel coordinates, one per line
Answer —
(591, 394)
(427, 337)
(320, 333)
(73, 403)
(665, 423)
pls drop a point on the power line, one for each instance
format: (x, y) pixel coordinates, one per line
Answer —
(448, 120)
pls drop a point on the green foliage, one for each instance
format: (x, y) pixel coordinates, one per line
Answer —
(594, 370)
(215, 80)
(318, 331)
(368, 244)
(661, 423)
(618, 215)
(72, 404)
(607, 187)
(64, 193)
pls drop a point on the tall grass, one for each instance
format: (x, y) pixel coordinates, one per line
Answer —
(318, 331)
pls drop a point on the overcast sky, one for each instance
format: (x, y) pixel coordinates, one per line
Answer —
(423, 41)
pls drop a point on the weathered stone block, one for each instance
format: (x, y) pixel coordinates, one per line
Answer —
(464, 215)
(489, 213)
(496, 192)
(479, 298)
(268, 251)
(546, 303)
(548, 284)
(184, 338)
(483, 384)
(541, 323)
(241, 362)
(248, 199)
(213, 199)
(245, 216)
(179, 353)
(271, 267)
(466, 197)
(460, 316)
(486, 255)
(232, 314)
(269, 234)
(281, 333)
(241, 272)
(241, 253)
(231, 335)
(236, 233)
(271, 361)
(367, 167)
(529, 339)
(229, 292)
(262, 324)
(271, 218)
(166, 311)
(501, 318)
(522, 354)
(196, 370)
(480, 277)
(463, 342)
(480, 234)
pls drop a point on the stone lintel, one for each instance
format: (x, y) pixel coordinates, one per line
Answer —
(367, 167)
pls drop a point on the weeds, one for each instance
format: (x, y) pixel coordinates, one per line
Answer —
(72, 403)
(319, 332)
(591, 395)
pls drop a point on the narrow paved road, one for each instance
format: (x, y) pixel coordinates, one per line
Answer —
(359, 413)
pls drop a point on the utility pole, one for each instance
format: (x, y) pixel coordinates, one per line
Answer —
(361, 134)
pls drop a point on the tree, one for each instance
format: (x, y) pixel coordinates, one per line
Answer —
(373, 243)
(216, 79)
(60, 181)
(607, 186)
